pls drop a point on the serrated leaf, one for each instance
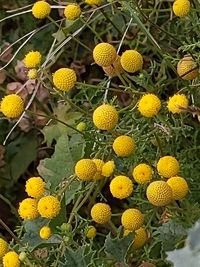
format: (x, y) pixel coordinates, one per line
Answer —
(118, 247)
(72, 189)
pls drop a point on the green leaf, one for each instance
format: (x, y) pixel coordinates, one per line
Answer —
(118, 247)
(61, 164)
(72, 189)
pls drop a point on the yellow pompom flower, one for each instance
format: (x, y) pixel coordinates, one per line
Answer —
(142, 173)
(85, 169)
(132, 219)
(72, 11)
(181, 8)
(121, 187)
(168, 166)
(28, 209)
(41, 10)
(131, 61)
(99, 164)
(45, 232)
(177, 102)
(124, 146)
(179, 187)
(3, 247)
(108, 168)
(187, 68)
(105, 117)
(149, 105)
(114, 69)
(64, 79)
(159, 193)
(140, 237)
(49, 207)
(104, 54)
(32, 74)
(93, 2)
(35, 187)
(91, 232)
(101, 213)
(11, 259)
(32, 59)
(12, 106)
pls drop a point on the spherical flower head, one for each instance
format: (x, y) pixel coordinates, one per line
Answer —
(41, 10)
(115, 69)
(81, 126)
(85, 169)
(45, 232)
(12, 106)
(131, 61)
(32, 74)
(72, 11)
(142, 173)
(32, 59)
(124, 146)
(121, 187)
(64, 79)
(179, 187)
(177, 102)
(35, 187)
(181, 8)
(49, 207)
(104, 54)
(28, 209)
(140, 238)
(159, 193)
(3, 247)
(149, 105)
(101, 213)
(11, 259)
(187, 68)
(168, 166)
(105, 117)
(93, 2)
(108, 168)
(99, 164)
(91, 232)
(132, 219)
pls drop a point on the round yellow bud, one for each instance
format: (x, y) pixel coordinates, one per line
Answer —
(121, 187)
(11, 259)
(131, 61)
(140, 237)
(101, 213)
(99, 164)
(124, 146)
(108, 168)
(187, 68)
(104, 54)
(81, 126)
(179, 187)
(45, 232)
(49, 207)
(132, 219)
(85, 169)
(105, 117)
(168, 166)
(28, 209)
(3, 247)
(35, 187)
(91, 232)
(93, 2)
(32, 74)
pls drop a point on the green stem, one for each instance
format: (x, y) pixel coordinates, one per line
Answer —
(95, 33)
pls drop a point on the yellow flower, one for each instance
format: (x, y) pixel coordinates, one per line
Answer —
(179, 187)
(3, 247)
(11, 259)
(187, 68)
(81, 126)
(32, 74)
(32, 59)
(104, 54)
(142, 173)
(131, 61)
(91, 232)
(140, 237)
(49, 207)
(72, 11)
(85, 169)
(159, 193)
(168, 166)
(45, 232)
(181, 8)
(105, 117)
(121, 187)
(132, 219)
(108, 168)
(41, 10)
(177, 102)
(124, 146)
(64, 79)
(12, 106)
(114, 69)
(28, 209)
(93, 2)
(99, 164)
(149, 105)
(35, 187)
(101, 213)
